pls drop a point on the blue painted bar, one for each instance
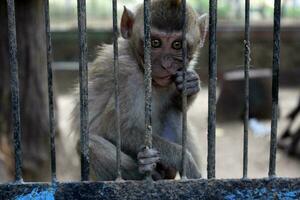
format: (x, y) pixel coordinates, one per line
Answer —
(277, 188)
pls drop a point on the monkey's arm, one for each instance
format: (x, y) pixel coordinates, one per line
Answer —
(103, 161)
(170, 153)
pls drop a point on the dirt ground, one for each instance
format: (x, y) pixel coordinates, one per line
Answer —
(229, 142)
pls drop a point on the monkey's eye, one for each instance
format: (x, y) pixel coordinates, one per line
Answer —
(177, 45)
(155, 43)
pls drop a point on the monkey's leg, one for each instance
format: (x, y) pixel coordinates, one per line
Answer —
(103, 161)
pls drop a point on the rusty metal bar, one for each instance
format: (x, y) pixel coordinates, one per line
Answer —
(183, 95)
(116, 80)
(52, 123)
(246, 102)
(83, 80)
(147, 75)
(212, 85)
(14, 84)
(275, 87)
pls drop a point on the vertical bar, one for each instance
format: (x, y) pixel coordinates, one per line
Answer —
(14, 84)
(50, 92)
(212, 84)
(83, 80)
(246, 71)
(147, 75)
(116, 80)
(275, 85)
(183, 96)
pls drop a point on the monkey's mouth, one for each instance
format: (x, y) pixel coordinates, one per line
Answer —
(162, 81)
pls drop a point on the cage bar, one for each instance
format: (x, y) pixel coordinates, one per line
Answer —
(50, 92)
(246, 102)
(148, 71)
(83, 80)
(183, 95)
(14, 84)
(147, 75)
(116, 81)
(275, 86)
(212, 84)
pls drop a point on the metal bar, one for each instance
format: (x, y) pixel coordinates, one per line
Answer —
(14, 84)
(50, 92)
(116, 80)
(275, 86)
(246, 103)
(83, 80)
(183, 96)
(148, 71)
(277, 188)
(147, 75)
(212, 84)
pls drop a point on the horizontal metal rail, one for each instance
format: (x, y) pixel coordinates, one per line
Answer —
(192, 189)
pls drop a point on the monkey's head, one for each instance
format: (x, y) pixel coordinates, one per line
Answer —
(166, 37)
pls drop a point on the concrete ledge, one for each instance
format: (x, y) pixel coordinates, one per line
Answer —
(277, 188)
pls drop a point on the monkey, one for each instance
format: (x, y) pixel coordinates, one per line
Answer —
(163, 160)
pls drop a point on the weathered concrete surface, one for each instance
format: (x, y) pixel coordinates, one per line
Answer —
(193, 189)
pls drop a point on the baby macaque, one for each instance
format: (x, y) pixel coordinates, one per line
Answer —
(164, 159)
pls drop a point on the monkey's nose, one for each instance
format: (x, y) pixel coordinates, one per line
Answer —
(167, 62)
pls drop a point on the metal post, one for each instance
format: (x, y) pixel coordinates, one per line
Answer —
(212, 84)
(50, 92)
(14, 84)
(147, 76)
(83, 75)
(183, 96)
(116, 80)
(275, 86)
(246, 71)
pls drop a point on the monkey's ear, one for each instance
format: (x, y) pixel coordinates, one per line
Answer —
(127, 23)
(203, 26)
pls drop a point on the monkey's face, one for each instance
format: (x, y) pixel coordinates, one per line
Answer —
(166, 56)
(166, 36)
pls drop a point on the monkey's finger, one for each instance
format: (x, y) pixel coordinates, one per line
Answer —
(147, 168)
(148, 153)
(188, 85)
(147, 161)
(188, 73)
(179, 79)
(192, 91)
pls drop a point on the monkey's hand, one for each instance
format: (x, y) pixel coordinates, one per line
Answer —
(147, 160)
(192, 82)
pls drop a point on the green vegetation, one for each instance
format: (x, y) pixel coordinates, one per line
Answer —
(99, 13)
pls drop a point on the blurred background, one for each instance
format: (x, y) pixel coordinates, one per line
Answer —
(230, 37)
